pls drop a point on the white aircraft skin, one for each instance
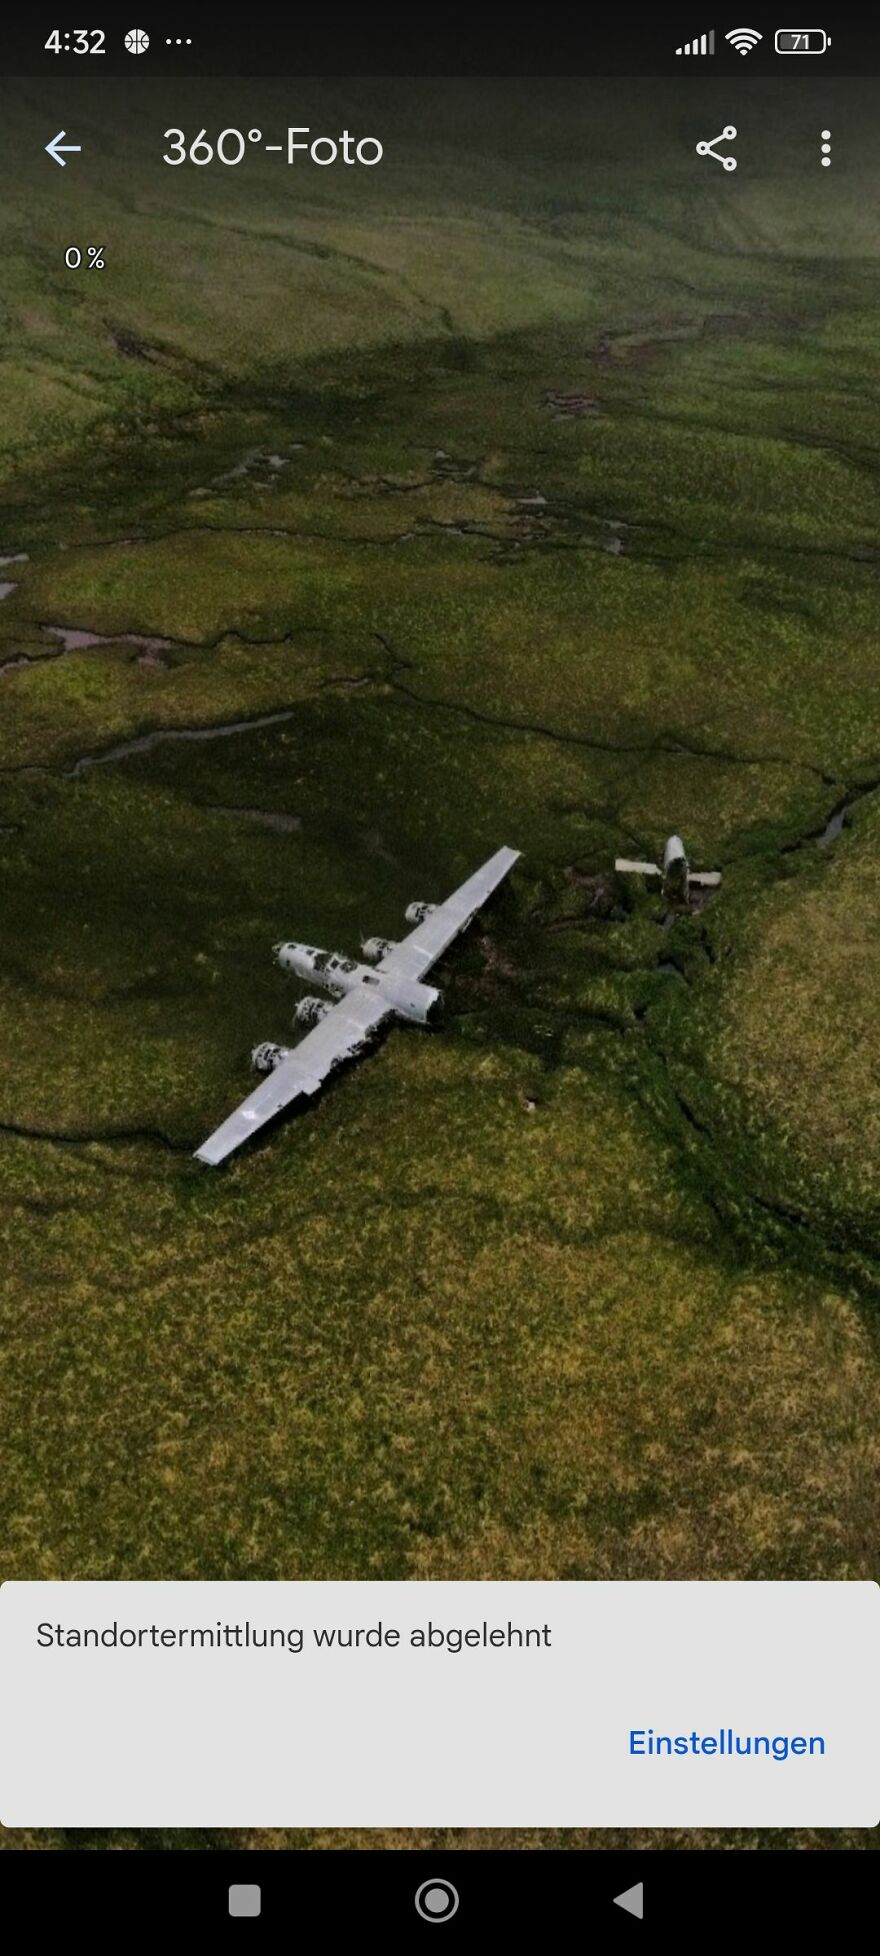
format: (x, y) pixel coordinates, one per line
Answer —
(676, 875)
(362, 997)
(341, 975)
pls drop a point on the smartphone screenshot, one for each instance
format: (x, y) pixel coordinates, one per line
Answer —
(439, 924)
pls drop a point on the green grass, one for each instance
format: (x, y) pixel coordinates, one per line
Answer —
(794, 1048)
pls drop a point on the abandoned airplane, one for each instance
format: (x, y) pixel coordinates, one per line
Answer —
(676, 875)
(362, 996)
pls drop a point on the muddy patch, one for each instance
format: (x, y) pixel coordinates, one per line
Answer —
(536, 521)
(260, 467)
(21, 659)
(569, 407)
(454, 468)
(498, 978)
(131, 347)
(599, 904)
(598, 889)
(636, 347)
(262, 818)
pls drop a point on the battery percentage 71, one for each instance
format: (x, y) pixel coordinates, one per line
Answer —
(801, 40)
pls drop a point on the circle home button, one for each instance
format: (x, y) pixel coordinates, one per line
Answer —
(436, 1901)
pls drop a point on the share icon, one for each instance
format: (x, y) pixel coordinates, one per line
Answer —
(728, 135)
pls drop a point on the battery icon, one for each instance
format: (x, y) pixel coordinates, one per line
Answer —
(801, 40)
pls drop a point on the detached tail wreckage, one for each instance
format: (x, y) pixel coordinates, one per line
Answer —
(362, 997)
(676, 876)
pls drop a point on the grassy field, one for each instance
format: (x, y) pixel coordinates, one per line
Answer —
(522, 491)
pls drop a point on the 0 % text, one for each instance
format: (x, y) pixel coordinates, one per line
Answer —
(92, 258)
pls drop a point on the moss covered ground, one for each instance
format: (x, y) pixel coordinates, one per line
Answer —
(356, 539)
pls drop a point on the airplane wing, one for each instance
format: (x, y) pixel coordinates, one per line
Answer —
(626, 868)
(415, 954)
(708, 878)
(346, 1028)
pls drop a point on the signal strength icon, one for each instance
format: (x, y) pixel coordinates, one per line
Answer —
(744, 39)
(703, 44)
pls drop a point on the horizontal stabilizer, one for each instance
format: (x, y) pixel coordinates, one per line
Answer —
(625, 868)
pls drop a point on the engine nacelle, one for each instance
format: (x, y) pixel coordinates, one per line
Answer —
(416, 913)
(266, 1057)
(310, 1011)
(375, 948)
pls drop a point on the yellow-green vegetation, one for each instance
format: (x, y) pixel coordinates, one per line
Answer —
(353, 537)
(796, 1052)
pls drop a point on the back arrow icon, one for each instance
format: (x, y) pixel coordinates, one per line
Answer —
(58, 144)
(633, 1900)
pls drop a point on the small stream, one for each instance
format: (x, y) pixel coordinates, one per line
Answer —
(74, 640)
(833, 828)
(145, 743)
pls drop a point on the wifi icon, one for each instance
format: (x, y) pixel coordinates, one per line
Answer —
(744, 39)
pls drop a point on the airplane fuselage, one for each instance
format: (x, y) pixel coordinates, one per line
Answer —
(409, 998)
(676, 870)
